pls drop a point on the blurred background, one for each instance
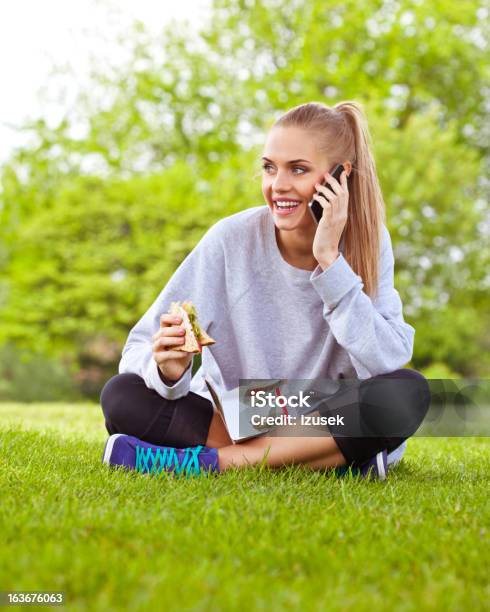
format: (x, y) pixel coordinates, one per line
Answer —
(128, 128)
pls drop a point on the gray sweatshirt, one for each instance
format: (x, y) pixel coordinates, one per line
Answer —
(270, 319)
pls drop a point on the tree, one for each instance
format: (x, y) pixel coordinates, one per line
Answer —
(93, 222)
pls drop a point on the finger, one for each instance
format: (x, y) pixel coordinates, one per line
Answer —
(173, 330)
(166, 341)
(333, 183)
(328, 211)
(325, 194)
(162, 356)
(343, 180)
(168, 319)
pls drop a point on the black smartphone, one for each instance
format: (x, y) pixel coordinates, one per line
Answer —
(316, 209)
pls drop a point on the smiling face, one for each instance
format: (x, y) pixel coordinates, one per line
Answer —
(292, 165)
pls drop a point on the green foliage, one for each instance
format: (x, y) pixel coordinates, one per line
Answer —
(28, 376)
(100, 209)
(440, 371)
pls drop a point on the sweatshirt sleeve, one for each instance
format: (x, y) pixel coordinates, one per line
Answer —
(373, 332)
(198, 279)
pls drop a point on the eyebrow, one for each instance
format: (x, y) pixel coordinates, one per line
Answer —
(294, 161)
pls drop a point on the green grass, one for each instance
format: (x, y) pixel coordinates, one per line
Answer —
(254, 539)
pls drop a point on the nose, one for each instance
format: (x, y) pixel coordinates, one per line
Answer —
(281, 182)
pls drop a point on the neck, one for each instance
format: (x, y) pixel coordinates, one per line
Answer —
(297, 245)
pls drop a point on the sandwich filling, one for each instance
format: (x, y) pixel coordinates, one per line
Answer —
(191, 311)
(195, 337)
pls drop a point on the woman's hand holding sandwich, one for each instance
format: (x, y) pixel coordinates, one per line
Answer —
(172, 363)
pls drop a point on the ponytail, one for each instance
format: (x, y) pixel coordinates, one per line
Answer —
(363, 230)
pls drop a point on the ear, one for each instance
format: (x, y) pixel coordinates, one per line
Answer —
(348, 167)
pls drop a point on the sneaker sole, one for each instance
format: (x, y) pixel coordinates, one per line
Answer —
(109, 445)
(381, 467)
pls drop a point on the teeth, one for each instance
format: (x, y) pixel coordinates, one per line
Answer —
(286, 204)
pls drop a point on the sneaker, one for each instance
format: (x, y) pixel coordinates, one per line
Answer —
(377, 467)
(374, 469)
(147, 458)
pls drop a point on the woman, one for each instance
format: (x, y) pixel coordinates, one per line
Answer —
(284, 297)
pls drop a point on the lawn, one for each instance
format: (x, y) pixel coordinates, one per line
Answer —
(253, 540)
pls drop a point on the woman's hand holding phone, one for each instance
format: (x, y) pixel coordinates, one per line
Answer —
(172, 364)
(334, 201)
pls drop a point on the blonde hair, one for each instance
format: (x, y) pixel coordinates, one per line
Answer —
(342, 134)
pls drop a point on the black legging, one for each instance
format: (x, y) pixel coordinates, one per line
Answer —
(389, 415)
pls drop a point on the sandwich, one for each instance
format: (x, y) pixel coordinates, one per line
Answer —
(195, 337)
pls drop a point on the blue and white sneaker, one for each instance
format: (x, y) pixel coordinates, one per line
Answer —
(374, 469)
(396, 455)
(135, 454)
